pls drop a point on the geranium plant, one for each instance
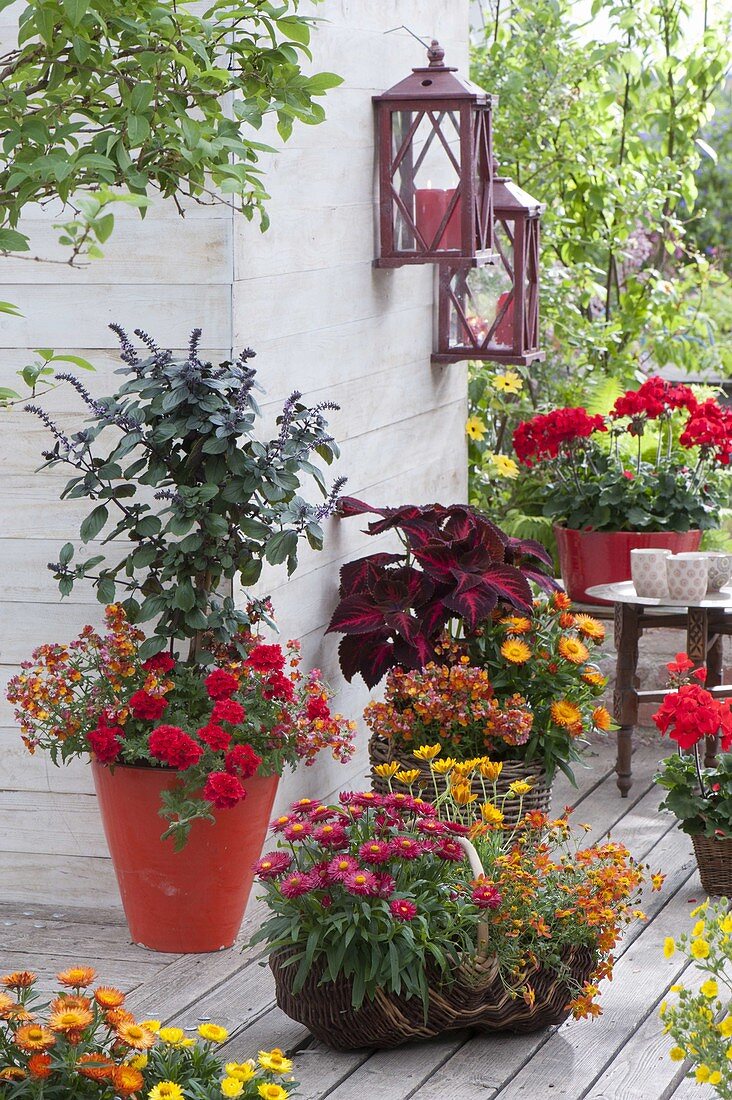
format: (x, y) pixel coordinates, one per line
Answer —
(193, 494)
(252, 712)
(701, 798)
(652, 464)
(698, 1020)
(455, 568)
(86, 1044)
(549, 656)
(378, 889)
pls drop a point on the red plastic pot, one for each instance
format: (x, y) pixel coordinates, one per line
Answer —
(187, 901)
(590, 557)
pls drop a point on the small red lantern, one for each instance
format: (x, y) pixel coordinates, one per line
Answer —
(435, 169)
(492, 312)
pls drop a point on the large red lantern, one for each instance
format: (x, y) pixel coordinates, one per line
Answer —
(435, 169)
(492, 312)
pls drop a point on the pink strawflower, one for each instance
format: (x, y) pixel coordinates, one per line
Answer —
(375, 852)
(272, 864)
(406, 847)
(450, 850)
(385, 883)
(295, 885)
(486, 896)
(298, 830)
(367, 798)
(340, 867)
(362, 883)
(403, 909)
(331, 835)
(431, 827)
(304, 806)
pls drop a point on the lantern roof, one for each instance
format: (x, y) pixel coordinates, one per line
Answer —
(436, 81)
(509, 199)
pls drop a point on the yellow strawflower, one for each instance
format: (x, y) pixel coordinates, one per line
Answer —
(274, 1061)
(386, 771)
(231, 1087)
(213, 1033)
(152, 1025)
(166, 1090)
(709, 989)
(139, 1061)
(171, 1035)
(242, 1071)
(427, 752)
(272, 1092)
(669, 946)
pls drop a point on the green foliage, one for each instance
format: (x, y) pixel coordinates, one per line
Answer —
(701, 798)
(195, 497)
(711, 229)
(605, 133)
(102, 102)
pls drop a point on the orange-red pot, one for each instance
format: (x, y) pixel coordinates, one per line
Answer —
(187, 901)
(603, 557)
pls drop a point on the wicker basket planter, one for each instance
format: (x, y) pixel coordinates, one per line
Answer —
(477, 999)
(538, 798)
(714, 860)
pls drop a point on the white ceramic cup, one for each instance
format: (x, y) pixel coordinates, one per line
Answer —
(648, 570)
(687, 575)
(720, 569)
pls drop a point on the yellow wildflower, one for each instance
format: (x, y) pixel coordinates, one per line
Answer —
(702, 1073)
(698, 929)
(508, 382)
(520, 787)
(491, 814)
(427, 752)
(725, 1027)
(726, 924)
(669, 946)
(407, 777)
(699, 949)
(699, 909)
(386, 771)
(714, 1077)
(677, 1054)
(213, 1033)
(709, 989)
(475, 428)
(505, 466)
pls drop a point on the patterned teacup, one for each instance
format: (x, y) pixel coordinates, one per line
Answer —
(648, 570)
(720, 569)
(687, 575)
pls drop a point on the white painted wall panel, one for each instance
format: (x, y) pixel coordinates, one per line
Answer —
(322, 319)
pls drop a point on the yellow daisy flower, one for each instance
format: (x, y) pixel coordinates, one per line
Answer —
(490, 769)
(475, 428)
(505, 466)
(520, 787)
(463, 793)
(508, 382)
(442, 767)
(213, 1033)
(386, 771)
(407, 776)
(491, 814)
(427, 752)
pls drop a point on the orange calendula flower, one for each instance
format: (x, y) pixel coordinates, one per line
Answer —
(602, 718)
(77, 976)
(573, 650)
(108, 997)
(515, 651)
(565, 713)
(70, 1019)
(589, 627)
(135, 1036)
(19, 979)
(39, 1066)
(32, 1037)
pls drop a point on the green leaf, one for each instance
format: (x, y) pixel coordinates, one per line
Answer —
(106, 590)
(77, 360)
(94, 523)
(75, 10)
(66, 553)
(13, 241)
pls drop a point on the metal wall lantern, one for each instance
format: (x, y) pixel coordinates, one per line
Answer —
(435, 169)
(492, 313)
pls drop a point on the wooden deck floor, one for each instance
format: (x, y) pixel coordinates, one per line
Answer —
(620, 1056)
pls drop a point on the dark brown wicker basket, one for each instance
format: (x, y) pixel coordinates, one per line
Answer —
(714, 860)
(476, 999)
(538, 798)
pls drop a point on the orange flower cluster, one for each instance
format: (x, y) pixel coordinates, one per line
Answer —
(451, 703)
(554, 899)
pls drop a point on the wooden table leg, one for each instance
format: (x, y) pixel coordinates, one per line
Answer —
(625, 697)
(715, 676)
(698, 651)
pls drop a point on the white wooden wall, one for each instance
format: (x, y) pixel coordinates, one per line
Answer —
(322, 319)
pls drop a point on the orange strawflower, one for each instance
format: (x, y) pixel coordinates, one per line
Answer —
(561, 601)
(19, 979)
(6, 1004)
(589, 627)
(32, 1037)
(565, 713)
(39, 1066)
(516, 624)
(595, 679)
(108, 997)
(602, 718)
(95, 1066)
(126, 1080)
(573, 650)
(58, 1004)
(13, 1073)
(515, 651)
(70, 1019)
(117, 1016)
(77, 976)
(136, 1036)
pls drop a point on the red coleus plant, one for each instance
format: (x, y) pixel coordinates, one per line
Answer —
(456, 566)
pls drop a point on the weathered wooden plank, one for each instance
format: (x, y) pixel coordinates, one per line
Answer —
(19, 771)
(57, 824)
(34, 878)
(127, 973)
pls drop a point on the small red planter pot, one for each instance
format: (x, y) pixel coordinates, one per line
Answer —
(590, 557)
(187, 901)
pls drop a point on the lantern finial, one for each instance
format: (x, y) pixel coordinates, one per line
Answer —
(436, 55)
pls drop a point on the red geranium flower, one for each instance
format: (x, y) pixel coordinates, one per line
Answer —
(221, 684)
(266, 658)
(146, 706)
(223, 790)
(174, 747)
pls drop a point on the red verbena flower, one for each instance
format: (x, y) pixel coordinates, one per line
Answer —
(266, 658)
(228, 710)
(146, 706)
(104, 743)
(221, 684)
(223, 790)
(161, 662)
(278, 686)
(243, 761)
(215, 737)
(317, 707)
(174, 747)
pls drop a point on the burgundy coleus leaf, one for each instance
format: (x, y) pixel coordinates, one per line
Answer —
(361, 575)
(370, 655)
(473, 604)
(417, 522)
(434, 616)
(544, 581)
(467, 527)
(351, 506)
(356, 615)
(530, 548)
(401, 589)
(438, 560)
(510, 585)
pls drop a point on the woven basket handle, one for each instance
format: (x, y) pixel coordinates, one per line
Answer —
(477, 868)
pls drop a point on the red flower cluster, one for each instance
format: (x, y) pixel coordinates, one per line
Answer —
(174, 747)
(545, 435)
(223, 790)
(146, 706)
(161, 662)
(654, 398)
(243, 761)
(105, 742)
(691, 714)
(221, 684)
(710, 427)
(266, 658)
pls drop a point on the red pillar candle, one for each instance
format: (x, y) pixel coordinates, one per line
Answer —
(503, 336)
(431, 205)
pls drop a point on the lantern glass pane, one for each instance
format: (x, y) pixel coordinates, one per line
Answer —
(426, 173)
(485, 297)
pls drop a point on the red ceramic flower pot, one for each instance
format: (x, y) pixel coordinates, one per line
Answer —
(187, 901)
(590, 557)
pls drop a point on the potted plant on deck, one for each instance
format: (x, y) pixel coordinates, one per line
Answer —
(647, 475)
(197, 720)
(701, 798)
(392, 919)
